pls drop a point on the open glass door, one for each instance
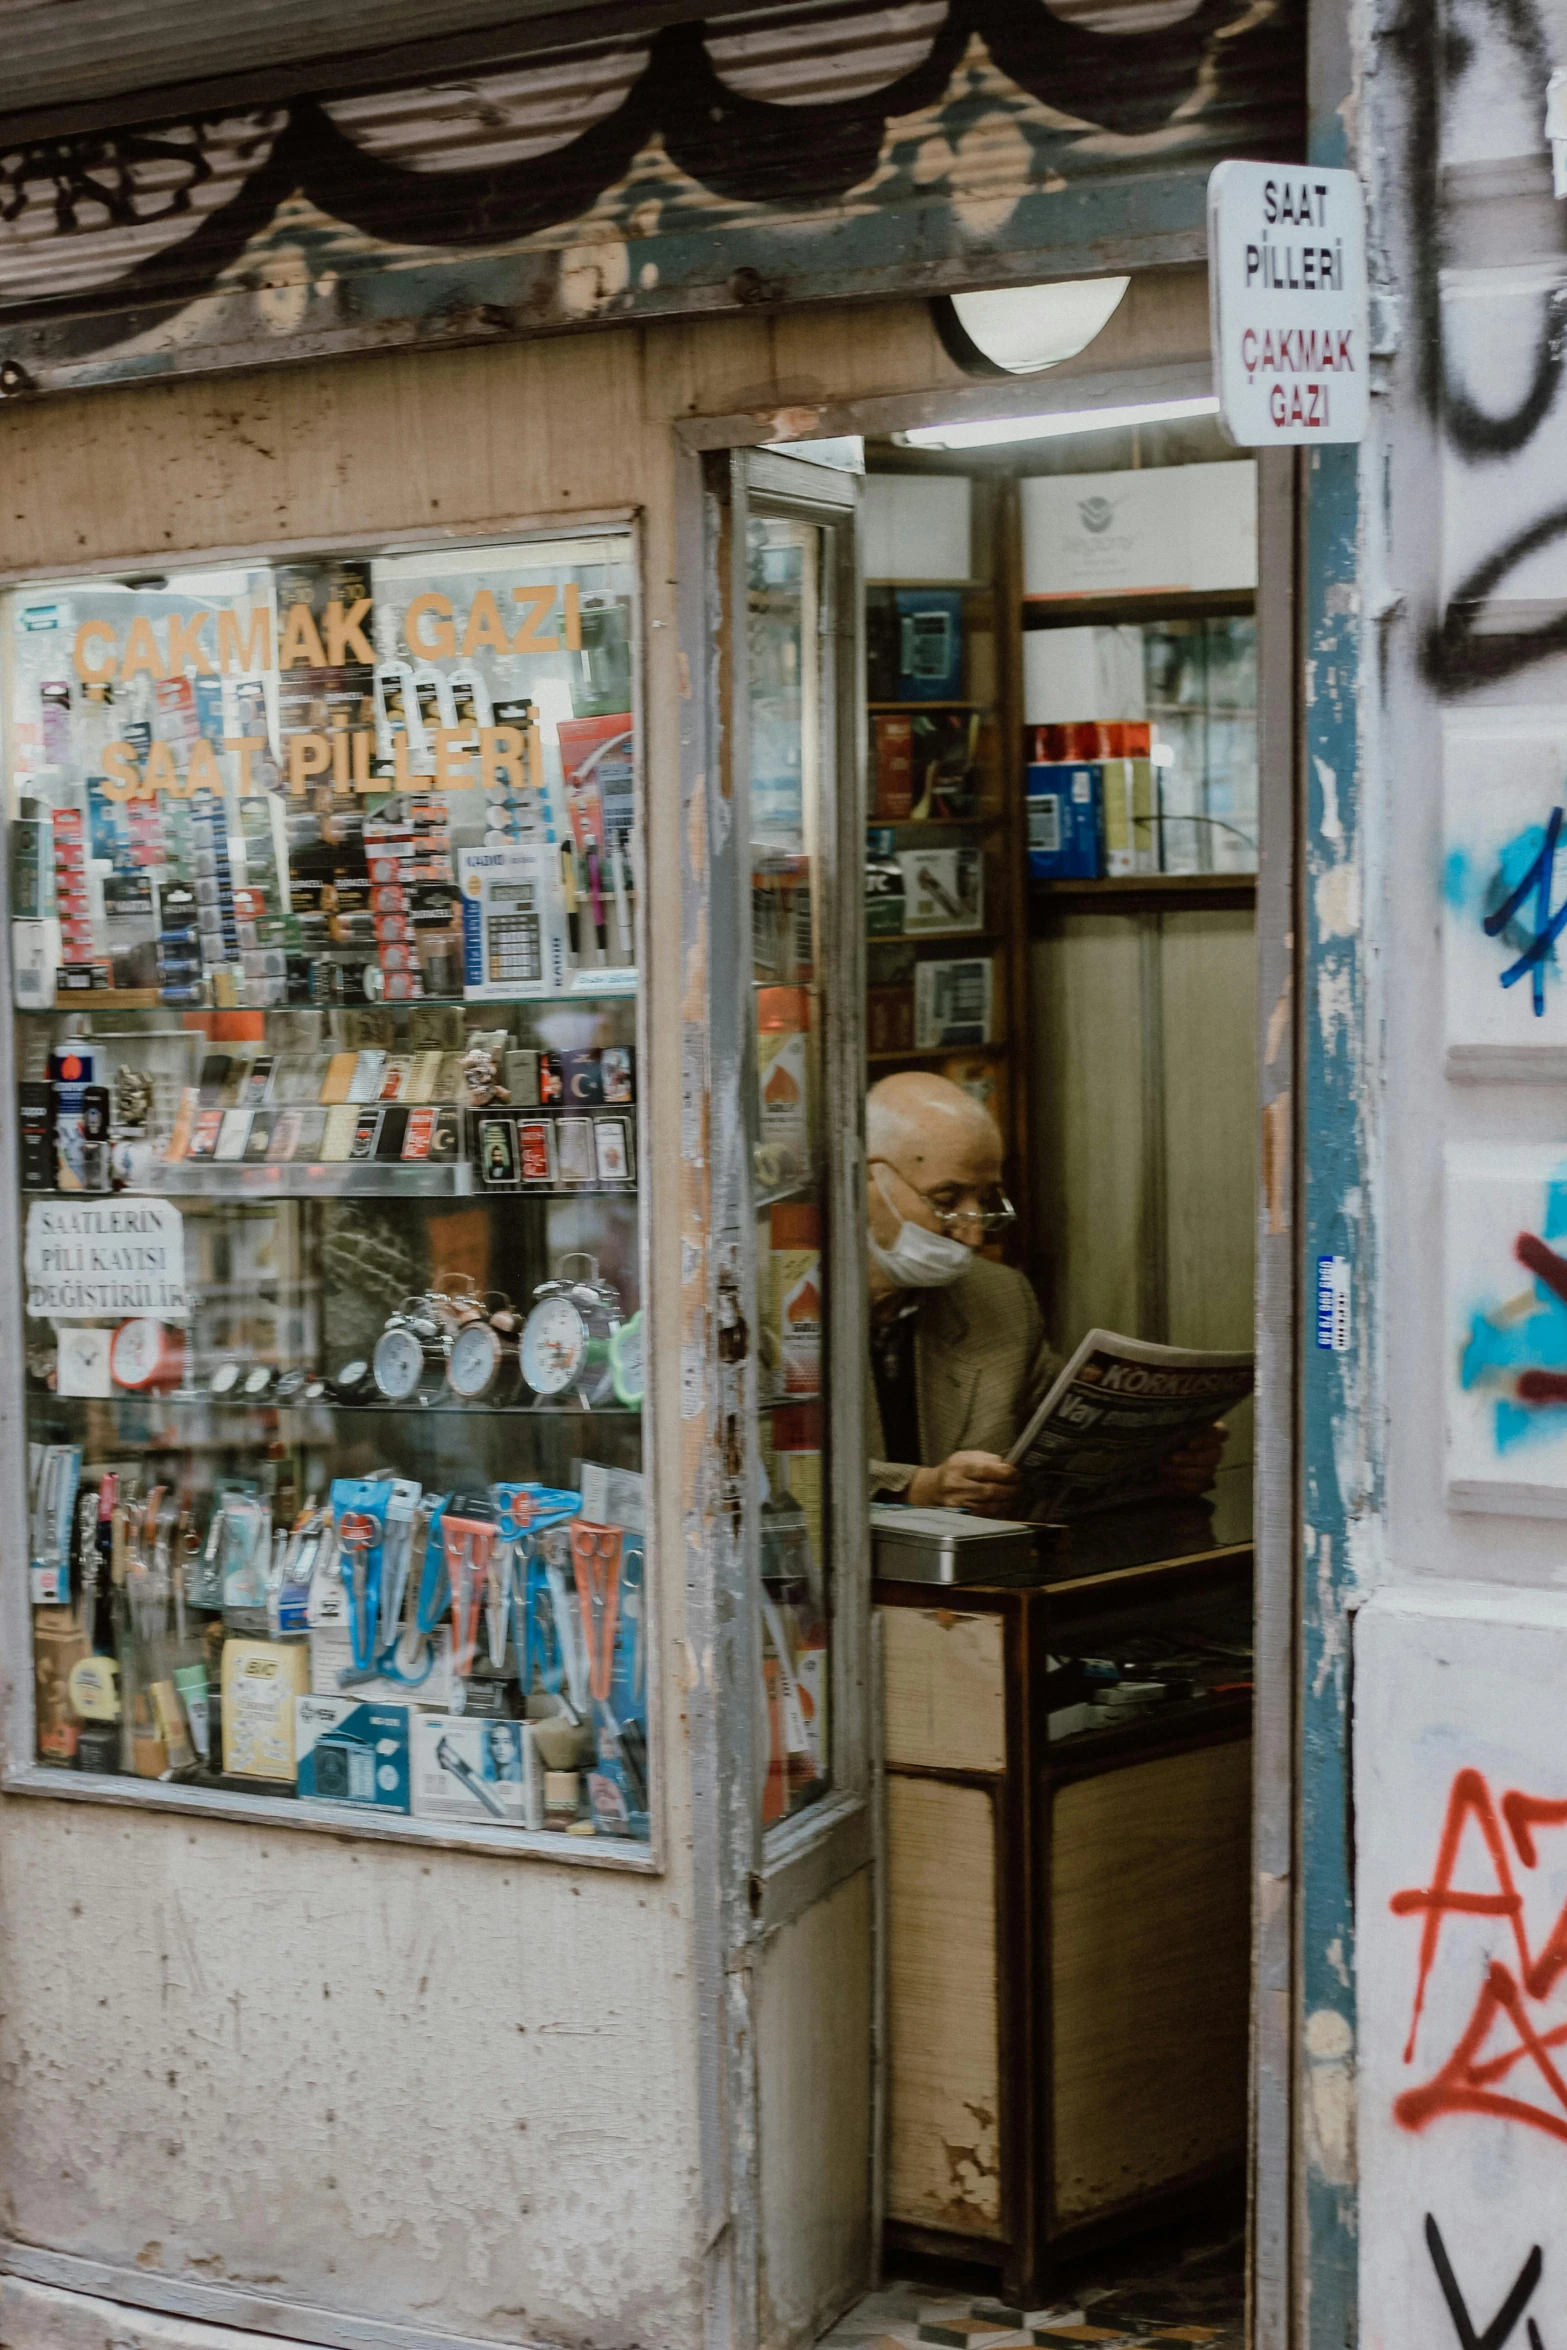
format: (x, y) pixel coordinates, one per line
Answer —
(789, 703)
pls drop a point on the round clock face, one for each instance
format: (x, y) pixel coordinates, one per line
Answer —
(625, 1360)
(139, 1352)
(554, 1345)
(258, 1381)
(398, 1364)
(474, 1361)
(225, 1379)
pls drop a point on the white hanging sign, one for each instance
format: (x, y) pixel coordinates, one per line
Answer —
(92, 1258)
(1287, 303)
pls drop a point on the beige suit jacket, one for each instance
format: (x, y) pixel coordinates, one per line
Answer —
(981, 1364)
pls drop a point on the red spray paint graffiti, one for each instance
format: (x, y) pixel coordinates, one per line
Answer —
(1470, 2081)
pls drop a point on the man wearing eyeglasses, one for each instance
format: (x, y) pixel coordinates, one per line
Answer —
(959, 1356)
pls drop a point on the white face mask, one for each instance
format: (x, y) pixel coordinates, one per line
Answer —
(918, 1259)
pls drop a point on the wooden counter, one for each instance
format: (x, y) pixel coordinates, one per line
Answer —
(1068, 1922)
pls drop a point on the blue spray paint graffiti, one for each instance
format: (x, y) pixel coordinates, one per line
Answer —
(1518, 1345)
(1537, 880)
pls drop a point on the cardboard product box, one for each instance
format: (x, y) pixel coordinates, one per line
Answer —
(1087, 738)
(351, 1754)
(892, 767)
(930, 644)
(261, 1680)
(1131, 836)
(943, 889)
(1065, 822)
(331, 1655)
(954, 1003)
(883, 898)
(478, 1771)
(889, 1019)
(945, 751)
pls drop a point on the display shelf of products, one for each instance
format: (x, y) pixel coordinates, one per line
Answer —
(581, 1418)
(325, 901)
(934, 1054)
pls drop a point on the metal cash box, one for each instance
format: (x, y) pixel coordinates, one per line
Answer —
(948, 1546)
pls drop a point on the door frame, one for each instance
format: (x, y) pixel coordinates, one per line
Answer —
(737, 1903)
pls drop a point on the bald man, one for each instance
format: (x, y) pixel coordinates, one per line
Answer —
(959, 1357)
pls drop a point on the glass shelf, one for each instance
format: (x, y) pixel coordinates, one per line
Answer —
(585, 985)
(242, 1408)
(217, 1180)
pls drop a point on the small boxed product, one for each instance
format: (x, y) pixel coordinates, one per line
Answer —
(352, 1753)
(261, 1681)
(1131, 837)
(889, 1019)
(476, 1771)
(1065, 822)
(892, 767)
(954, 1003)
(331, 1656)
(930, 644)
(943, 889)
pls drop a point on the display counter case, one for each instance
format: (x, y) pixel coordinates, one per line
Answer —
(328, 1054)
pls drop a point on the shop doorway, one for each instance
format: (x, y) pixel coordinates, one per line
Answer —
(1071, 2078)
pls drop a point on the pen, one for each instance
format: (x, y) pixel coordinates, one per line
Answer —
(568, 883)
(622, 900)
(595, 892)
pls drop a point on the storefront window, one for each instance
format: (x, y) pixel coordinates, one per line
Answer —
(325, 904)
(789, 823)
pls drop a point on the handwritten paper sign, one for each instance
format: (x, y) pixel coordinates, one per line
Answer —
(92, 1258)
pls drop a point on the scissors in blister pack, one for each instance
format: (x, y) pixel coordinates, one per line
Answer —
(429, 1590)
(357, 1535)
(595, 1561)
(556, 1546)
(633, 1607)
(468, 1538)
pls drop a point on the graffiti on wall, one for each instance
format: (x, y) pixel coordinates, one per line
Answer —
(1461, 1809)
(1504, 893)
(1507, 1326)
(698, 167)
(1487, 59)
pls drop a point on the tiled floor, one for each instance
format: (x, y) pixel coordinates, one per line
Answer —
(1149, 2298)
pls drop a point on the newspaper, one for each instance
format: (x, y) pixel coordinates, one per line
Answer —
(1115, 1411)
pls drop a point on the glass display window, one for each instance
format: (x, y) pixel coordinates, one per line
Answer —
(325, 916)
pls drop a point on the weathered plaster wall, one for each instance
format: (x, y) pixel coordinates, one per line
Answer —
(1463, 588)
(449, 2091)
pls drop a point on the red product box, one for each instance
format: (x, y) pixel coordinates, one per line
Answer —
(892, 767)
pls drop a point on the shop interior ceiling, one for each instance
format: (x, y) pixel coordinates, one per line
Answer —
(673, 164)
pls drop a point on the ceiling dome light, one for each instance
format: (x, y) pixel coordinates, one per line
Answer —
(1018, 330)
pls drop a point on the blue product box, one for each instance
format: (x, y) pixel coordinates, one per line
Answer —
(352, 1754)
(930, 644)
(1065, 821)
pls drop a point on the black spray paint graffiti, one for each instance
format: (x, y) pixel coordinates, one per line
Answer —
(1506, 2318)
(1457, 654)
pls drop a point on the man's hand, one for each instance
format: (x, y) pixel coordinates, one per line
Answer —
(978, 1481)
(1189, 1472)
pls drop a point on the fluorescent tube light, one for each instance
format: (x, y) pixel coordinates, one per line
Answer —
(993, 432)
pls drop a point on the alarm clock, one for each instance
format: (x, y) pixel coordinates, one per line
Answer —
(354, 1382)
(482, 1365)
(410, 1352)
(566, 1339)
(144, 1356)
